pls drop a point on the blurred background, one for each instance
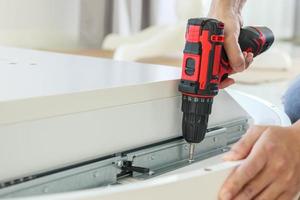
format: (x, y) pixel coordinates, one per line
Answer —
(69, 24)
(150, 31)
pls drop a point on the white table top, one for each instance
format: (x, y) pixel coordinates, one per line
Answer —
(36, 84)
(30, 73)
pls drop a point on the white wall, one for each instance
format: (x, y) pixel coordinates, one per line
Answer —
(40, 23)
(55, 24)
(163, 12)
(279, 15)
(276, 14)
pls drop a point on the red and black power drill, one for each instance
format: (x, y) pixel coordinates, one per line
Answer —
(205, 66)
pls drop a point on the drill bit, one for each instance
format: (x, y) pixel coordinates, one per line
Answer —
(191, 152)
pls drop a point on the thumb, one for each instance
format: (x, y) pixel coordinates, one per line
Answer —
(234, 53)
(226, 83)
(242, 148)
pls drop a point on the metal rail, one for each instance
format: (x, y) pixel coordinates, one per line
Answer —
(142, 163)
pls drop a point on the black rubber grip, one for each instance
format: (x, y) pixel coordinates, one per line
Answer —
(256, 39)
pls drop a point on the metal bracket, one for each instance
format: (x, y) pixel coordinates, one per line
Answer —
(173, 155)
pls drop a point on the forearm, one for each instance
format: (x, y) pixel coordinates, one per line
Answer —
(226, 5)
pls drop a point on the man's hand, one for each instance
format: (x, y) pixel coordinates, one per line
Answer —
(271, 169)
(229, 12)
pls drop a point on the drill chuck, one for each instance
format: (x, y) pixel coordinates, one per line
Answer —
(195, 117)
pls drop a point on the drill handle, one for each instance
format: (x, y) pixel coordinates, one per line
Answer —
(252, 39)
(255, 39)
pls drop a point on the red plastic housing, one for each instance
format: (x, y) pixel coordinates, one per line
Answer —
(201, 72)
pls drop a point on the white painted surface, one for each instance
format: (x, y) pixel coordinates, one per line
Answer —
(81, 108)
(30, 73)
(263, 112)
(86, 135)
(270, 92)
(59, 84)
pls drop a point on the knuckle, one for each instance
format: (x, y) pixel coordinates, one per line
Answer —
(254, 129)
(270, 147)
(248, 192)
(250, 171)
(240, 145)
(257, 130)
(289, 177)
(279, 165)
(270, 130)
(251, 129)
(230, 187)
(262, 198)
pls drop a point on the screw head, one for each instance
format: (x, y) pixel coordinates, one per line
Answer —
(225, 149)
(120, 163)
(151, 173)
(46, 190)
(96, 174)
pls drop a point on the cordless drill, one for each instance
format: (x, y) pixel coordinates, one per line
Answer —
(205, 66)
